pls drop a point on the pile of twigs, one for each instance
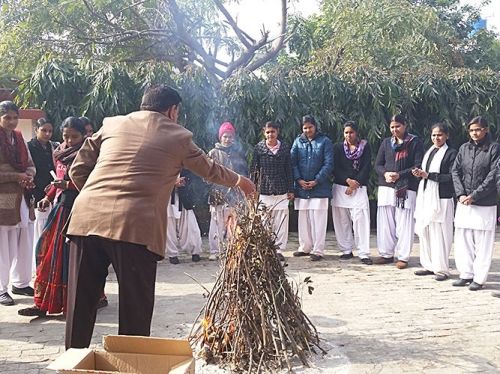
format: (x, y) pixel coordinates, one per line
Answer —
(253, 320)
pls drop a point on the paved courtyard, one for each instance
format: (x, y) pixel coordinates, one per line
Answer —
(372, 319)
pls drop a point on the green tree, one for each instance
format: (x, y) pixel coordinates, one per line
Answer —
(175, 33)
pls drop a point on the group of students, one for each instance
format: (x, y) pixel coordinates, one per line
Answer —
(416, 194)
(37, 196)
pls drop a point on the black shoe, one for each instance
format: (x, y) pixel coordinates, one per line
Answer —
(441, 277)
(423, 272)
(195, 258)
(174, 260)
(461, 282)
(6, 299)
(300, 254)
(367, 261)
(26, 291)
(102, 303)
(346, 256)
(280, 257)
(475, 286)
(316, 257)
(32, 311)
(383, 260)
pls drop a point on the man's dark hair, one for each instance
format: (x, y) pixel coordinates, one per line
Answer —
(158, 98)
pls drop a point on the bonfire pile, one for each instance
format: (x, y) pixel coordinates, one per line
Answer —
(253, 320)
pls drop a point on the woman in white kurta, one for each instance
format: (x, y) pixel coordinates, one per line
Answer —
(271, 171)
(183, 231)
(397, 192)
(350, 206)
(16, 175)
(312, 165)
(475, 219)
(435, 206)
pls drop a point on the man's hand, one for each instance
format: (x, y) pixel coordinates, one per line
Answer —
(246, 185)
(290, 196)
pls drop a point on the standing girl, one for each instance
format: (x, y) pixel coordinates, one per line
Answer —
(397, 192)
(434, 207)
(475, 219)
(52, 250)
(16, 176)
(222, 199)
(41, 149)
(271, 171)
(350, 206)
(312, 165)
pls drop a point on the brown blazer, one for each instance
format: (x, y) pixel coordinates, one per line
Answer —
(126, 172)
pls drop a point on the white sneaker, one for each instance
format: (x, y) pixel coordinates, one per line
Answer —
(212, 257)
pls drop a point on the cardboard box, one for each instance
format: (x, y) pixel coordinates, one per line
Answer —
(129, 354)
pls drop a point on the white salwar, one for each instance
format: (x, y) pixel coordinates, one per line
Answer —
(395, 225)
(183, 231)
(279, 215)
(313, 219)
(219, 215)
(434, 219)
(474, 240)
(41, 219)
(351, 215)
(16, 252)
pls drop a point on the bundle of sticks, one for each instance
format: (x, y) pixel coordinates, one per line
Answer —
(252, 320)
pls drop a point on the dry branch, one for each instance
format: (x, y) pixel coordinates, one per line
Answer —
(252, 320)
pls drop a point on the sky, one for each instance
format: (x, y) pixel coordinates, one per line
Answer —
(491, 13)
(251, 14)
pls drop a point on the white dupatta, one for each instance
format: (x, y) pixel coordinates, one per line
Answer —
(429, 208)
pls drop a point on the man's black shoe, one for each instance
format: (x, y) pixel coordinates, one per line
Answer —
(280, 257)
(174, 260)
(26, 291)
(195, 258)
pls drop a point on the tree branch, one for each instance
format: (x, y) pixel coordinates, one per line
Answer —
(243, 37)
(273, 52)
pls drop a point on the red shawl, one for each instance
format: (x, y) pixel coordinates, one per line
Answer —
(15, 154)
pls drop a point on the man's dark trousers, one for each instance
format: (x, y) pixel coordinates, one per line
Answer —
(135, 268)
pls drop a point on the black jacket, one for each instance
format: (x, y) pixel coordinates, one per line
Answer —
(344, 169)
(272, 173)
(44, 163)
(386, 161)
(185, 193)
(446, 190)
(498, 176)
(474, 172)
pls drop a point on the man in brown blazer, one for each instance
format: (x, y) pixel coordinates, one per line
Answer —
(125, 173)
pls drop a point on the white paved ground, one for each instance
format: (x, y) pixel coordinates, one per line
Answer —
(372, 319)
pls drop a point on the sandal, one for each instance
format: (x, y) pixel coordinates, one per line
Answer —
(32, 311)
